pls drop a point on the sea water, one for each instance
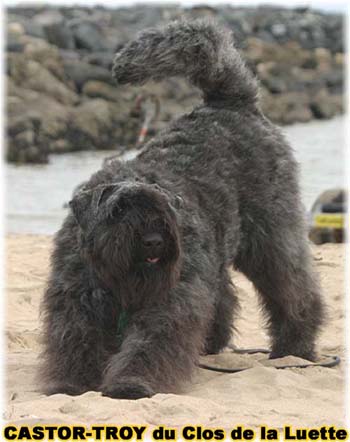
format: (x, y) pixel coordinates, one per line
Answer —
(36, 195)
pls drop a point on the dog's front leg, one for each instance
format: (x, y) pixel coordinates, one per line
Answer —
(73, 353)
(160, 348)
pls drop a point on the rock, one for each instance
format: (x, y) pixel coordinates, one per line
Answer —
(48, 16)
(279, 30)
(289, 54)
(30, 74)
(33, 29)
(274, 82)
(22, 123)
(92, 125)
(98, 89)
(103, 59)
(60, 35)
(56, 30)
(324, 59)
(26, 12)
(44, 113)
(46, 55)
(202, 11)
(99, 124)
(305, 80)
(339, 59)
(29, 26)
(17, 93)
(15, 28)
(61, 145)
(287, 108)
(334, 26)
(324, 106)
(14, 41)
(22, 145)
(81, 72)
(280, 78)
(24, 139)
(88, 36)
(310, 62)
(334, 80)
(275, 85)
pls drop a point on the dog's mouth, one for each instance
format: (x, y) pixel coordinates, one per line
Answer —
(152, 260)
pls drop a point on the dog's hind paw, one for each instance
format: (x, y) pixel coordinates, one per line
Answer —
(308, 355)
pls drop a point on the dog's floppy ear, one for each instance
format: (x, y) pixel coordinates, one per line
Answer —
(80, 205)
(175, 202)
(85, 205)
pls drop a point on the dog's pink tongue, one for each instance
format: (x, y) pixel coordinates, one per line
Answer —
(152, 260)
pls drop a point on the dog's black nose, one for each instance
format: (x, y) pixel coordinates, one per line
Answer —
(152, 240)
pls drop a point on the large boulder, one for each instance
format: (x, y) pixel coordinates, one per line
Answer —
(88, 35)
(97, 124)
(81, 72)
(29, 25)
(324, 105)
(15, 35)
(333, 79)
(34, 121)
(29, 74)
(22, 140)
(60, 35)
(47, 55)
(55, 28)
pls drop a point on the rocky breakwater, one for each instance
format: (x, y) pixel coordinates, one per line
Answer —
(61, 97)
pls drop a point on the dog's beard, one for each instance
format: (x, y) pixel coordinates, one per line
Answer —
(135, 276)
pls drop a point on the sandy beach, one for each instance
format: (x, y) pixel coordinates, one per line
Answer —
(308, 397)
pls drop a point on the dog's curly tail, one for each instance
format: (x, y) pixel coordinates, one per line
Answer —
(198, 50)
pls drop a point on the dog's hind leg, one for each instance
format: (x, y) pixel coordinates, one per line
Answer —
(226, 308)
(278, 263)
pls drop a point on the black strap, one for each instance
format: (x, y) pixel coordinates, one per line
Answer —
(332, 362)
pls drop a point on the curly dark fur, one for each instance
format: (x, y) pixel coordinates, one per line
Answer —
(156, 236)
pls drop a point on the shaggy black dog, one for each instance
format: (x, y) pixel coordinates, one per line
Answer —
(140, 283)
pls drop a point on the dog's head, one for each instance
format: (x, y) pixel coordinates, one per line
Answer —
(130, 235)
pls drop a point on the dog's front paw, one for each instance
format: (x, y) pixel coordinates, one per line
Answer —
(64, 388)
(127, 389)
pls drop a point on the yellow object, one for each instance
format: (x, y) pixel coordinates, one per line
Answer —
(329, 220)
